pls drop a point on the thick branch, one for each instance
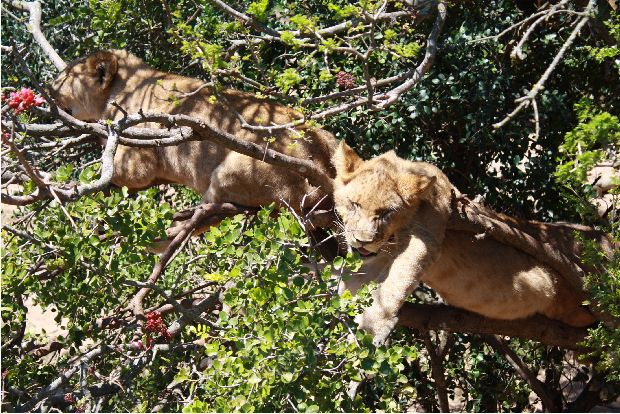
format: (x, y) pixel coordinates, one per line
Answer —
(537, 328)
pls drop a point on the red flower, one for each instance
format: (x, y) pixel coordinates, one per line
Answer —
(154, 322)
(23, 100)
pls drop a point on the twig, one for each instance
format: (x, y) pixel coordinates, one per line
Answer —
(524, 101)
(517, 51)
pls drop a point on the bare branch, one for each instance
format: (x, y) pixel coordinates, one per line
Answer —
(517, 52)
(34, 27)
(416, 74)
(437, 371)
(524, 101)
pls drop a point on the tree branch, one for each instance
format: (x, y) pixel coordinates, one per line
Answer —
(34, 27)
(437, 371)
(524, 101)
(549, 398)
(536, 328)
(175, 244)
(429, 57)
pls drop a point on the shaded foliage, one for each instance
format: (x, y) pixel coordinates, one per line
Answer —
(284, 342)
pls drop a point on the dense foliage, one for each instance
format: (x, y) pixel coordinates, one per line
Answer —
(284, 340)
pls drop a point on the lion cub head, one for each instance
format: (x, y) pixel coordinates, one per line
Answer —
(375, 198)
(83, 88)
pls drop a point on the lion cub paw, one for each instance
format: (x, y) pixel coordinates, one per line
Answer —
(376, 323)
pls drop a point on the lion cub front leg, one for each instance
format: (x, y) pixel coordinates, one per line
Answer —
(402, 279)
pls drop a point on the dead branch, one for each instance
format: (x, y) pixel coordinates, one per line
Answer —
(526, 100)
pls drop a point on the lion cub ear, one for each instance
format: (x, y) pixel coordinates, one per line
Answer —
(412, 186)
(345, 160)
(103, 66)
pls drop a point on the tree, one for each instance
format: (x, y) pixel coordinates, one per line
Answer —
(428, 80)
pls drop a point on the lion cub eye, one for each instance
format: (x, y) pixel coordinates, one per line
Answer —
(384, 214)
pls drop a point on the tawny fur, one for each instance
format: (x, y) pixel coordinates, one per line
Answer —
(87, 87)
(398, 210)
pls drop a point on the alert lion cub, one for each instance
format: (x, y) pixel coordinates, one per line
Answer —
(395, 212)
(88, 87)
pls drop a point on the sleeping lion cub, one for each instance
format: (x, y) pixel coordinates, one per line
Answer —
(394, 212)
(88, 87)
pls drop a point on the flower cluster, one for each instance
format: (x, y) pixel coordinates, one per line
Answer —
(345, 80)
(155, 324)
(22, 100)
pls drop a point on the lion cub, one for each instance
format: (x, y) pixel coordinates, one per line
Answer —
(88, 88)
(395, 212)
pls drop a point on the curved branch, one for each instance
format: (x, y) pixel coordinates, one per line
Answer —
(34, 27)
(417, 73)
(524, 101)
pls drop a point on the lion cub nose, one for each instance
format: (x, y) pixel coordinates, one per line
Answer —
(358, 240)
